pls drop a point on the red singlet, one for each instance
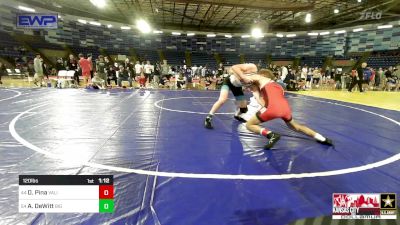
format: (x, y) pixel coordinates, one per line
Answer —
(85, 66)
(277, 105)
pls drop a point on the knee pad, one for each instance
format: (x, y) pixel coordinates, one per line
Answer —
(243, 110)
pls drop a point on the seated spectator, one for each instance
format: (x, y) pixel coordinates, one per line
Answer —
(142, 80)
(207, 83)
(111, 75)
(124, 76)
(97, 81)
(60, 64)
(291, 83)
(219, 82)
(392, 80)
(180, 81)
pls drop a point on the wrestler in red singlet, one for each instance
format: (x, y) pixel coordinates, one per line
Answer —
(276, 104)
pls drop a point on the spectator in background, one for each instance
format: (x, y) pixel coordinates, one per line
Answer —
(60, 64)
(85, 66)
(2, 71)
(180, 81)
(203, 71)
(142, 80)
(379, 78)
(46, 70)
(129, 67)
(72, 64)
(365, 77)
(90, 59)
(157, 73)
(218, 82)
(338, 78)
(111, 75)
(221, 69)
(327, 71)
(38, 65)
(124, 76)
(309, 77)
(358, 78)
(138, 70)
(392, 79)
(290, 81)
(31, 69)
(396, 76)
(187, 71)
(148, 71)
(107, 61)
(101, 68)
(209, 72)
(332, 74)
(98, 82)
(284, 72)
(316, 77)
(165, 69)
(207, 83)
(194, 69)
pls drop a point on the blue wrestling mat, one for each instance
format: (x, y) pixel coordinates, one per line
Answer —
(169, 169)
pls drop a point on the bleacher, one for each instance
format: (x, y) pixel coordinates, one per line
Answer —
(312, 61)
(151, 55)
(86, 50)
(9, 46)
(383, 61)
(202, 59)
(39, 43)
(230, 58)
(256, 58)
(117, 51)
(175, 57)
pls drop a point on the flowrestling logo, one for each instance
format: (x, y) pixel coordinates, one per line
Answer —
(37, 21)
(364, 206)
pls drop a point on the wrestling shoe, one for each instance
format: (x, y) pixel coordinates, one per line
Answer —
(207, 122)
(272, 139)
(327, 141)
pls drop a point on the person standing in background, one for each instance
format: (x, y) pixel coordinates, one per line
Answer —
(194, 71)
(129, 67)
(284, 72)
(138, 70)
(60, 64)
(165, 69)
(38, 66)
(358, 78)
(90, 59)
(85, 66)
(203, 71)
(148, 71)
(101, 68)
(157, 73)
(2, 71)
(187, 71)
(379, 78)
(72, 64)
(221, 69)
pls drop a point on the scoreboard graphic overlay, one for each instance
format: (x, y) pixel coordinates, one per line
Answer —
(66, 194)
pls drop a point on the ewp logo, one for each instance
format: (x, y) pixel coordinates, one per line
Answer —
(37, 21)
